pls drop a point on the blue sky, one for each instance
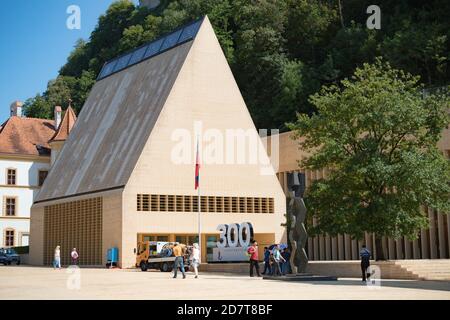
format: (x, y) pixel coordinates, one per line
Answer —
(35, 43)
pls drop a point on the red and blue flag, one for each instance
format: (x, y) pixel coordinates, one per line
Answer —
(197, 169)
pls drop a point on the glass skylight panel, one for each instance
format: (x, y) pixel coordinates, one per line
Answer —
(137, 55)
(189, 32)
(153, 48)
(171, 40)
(107, 69)
(122, 62)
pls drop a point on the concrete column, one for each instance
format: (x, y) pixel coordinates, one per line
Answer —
(441, 236)
(433, 244)
(310, 249)
(391, 249)
(407, 248)
(341, 249)
(416, 249)
(321, 248)
(203, 249)
(424, 244)
(348, 247)
(354, 250)
(334, 249)
(367, 241)
(327, 247)
(399, 249)
(385, 243)
(316, 248)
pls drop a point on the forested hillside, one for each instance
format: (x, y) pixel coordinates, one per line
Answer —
(280, 51)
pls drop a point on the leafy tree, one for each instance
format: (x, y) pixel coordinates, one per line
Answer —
(37, 107)
(377, 133)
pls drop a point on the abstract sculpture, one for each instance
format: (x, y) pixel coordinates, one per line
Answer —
(296, 214)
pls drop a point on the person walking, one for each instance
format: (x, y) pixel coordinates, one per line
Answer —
(267, 268)
(254, 259)
(195, 257)
(57, 258)
(365, 261)
(74, 255)
(277, 258)
(285, 266)
(179, 262)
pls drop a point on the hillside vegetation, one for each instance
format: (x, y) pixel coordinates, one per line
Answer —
(280, 51)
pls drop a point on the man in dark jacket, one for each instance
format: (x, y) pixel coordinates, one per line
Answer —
(365, 261)
(267, 268)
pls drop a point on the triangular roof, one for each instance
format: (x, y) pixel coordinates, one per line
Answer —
(117, 117)
(123, 137)
(65, 126)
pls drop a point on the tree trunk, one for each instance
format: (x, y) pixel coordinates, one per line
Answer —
(379, 248)
(340, 14)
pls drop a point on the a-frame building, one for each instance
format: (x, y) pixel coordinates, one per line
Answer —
(118, 179)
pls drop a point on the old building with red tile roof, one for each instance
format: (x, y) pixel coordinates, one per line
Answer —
(28, 147)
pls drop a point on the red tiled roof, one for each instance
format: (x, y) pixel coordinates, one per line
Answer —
(27, 136)
(65, 126)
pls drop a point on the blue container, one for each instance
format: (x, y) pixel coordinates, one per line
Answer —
(112, 255)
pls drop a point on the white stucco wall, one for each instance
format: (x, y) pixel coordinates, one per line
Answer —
(26, 188)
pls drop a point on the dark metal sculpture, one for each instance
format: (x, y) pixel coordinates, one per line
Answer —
(296, 214)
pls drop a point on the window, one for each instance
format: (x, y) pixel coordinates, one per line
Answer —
(219, 204)
(24, 239)
(9, 238)
(42, 175)
(10, 206)
(11, 177)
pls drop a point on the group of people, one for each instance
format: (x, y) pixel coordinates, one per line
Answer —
(276, 260)
(179, 252)
(57, 257)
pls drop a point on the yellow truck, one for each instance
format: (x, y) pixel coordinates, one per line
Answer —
(159, 255)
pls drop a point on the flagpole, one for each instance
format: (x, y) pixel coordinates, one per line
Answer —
(199, 217)
(199, 225)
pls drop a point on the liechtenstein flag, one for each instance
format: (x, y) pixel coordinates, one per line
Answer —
(197, 169)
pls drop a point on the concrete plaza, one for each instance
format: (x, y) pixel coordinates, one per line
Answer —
(26, 282)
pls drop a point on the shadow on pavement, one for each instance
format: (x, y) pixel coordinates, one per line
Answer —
(407, 284)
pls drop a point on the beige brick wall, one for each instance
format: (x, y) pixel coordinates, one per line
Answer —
(111, 224)
(36, 255)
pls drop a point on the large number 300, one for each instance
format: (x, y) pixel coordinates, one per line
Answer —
(235, 235)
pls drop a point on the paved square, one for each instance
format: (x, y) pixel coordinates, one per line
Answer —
(25, 282)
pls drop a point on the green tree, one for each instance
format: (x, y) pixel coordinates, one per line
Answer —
(377, 133)
(37, 107)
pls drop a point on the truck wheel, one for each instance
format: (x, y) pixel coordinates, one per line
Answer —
(143, 266)
(165, 267)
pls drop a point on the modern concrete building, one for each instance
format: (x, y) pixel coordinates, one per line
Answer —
(26, 150)
(119, 179)
(433, 243)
